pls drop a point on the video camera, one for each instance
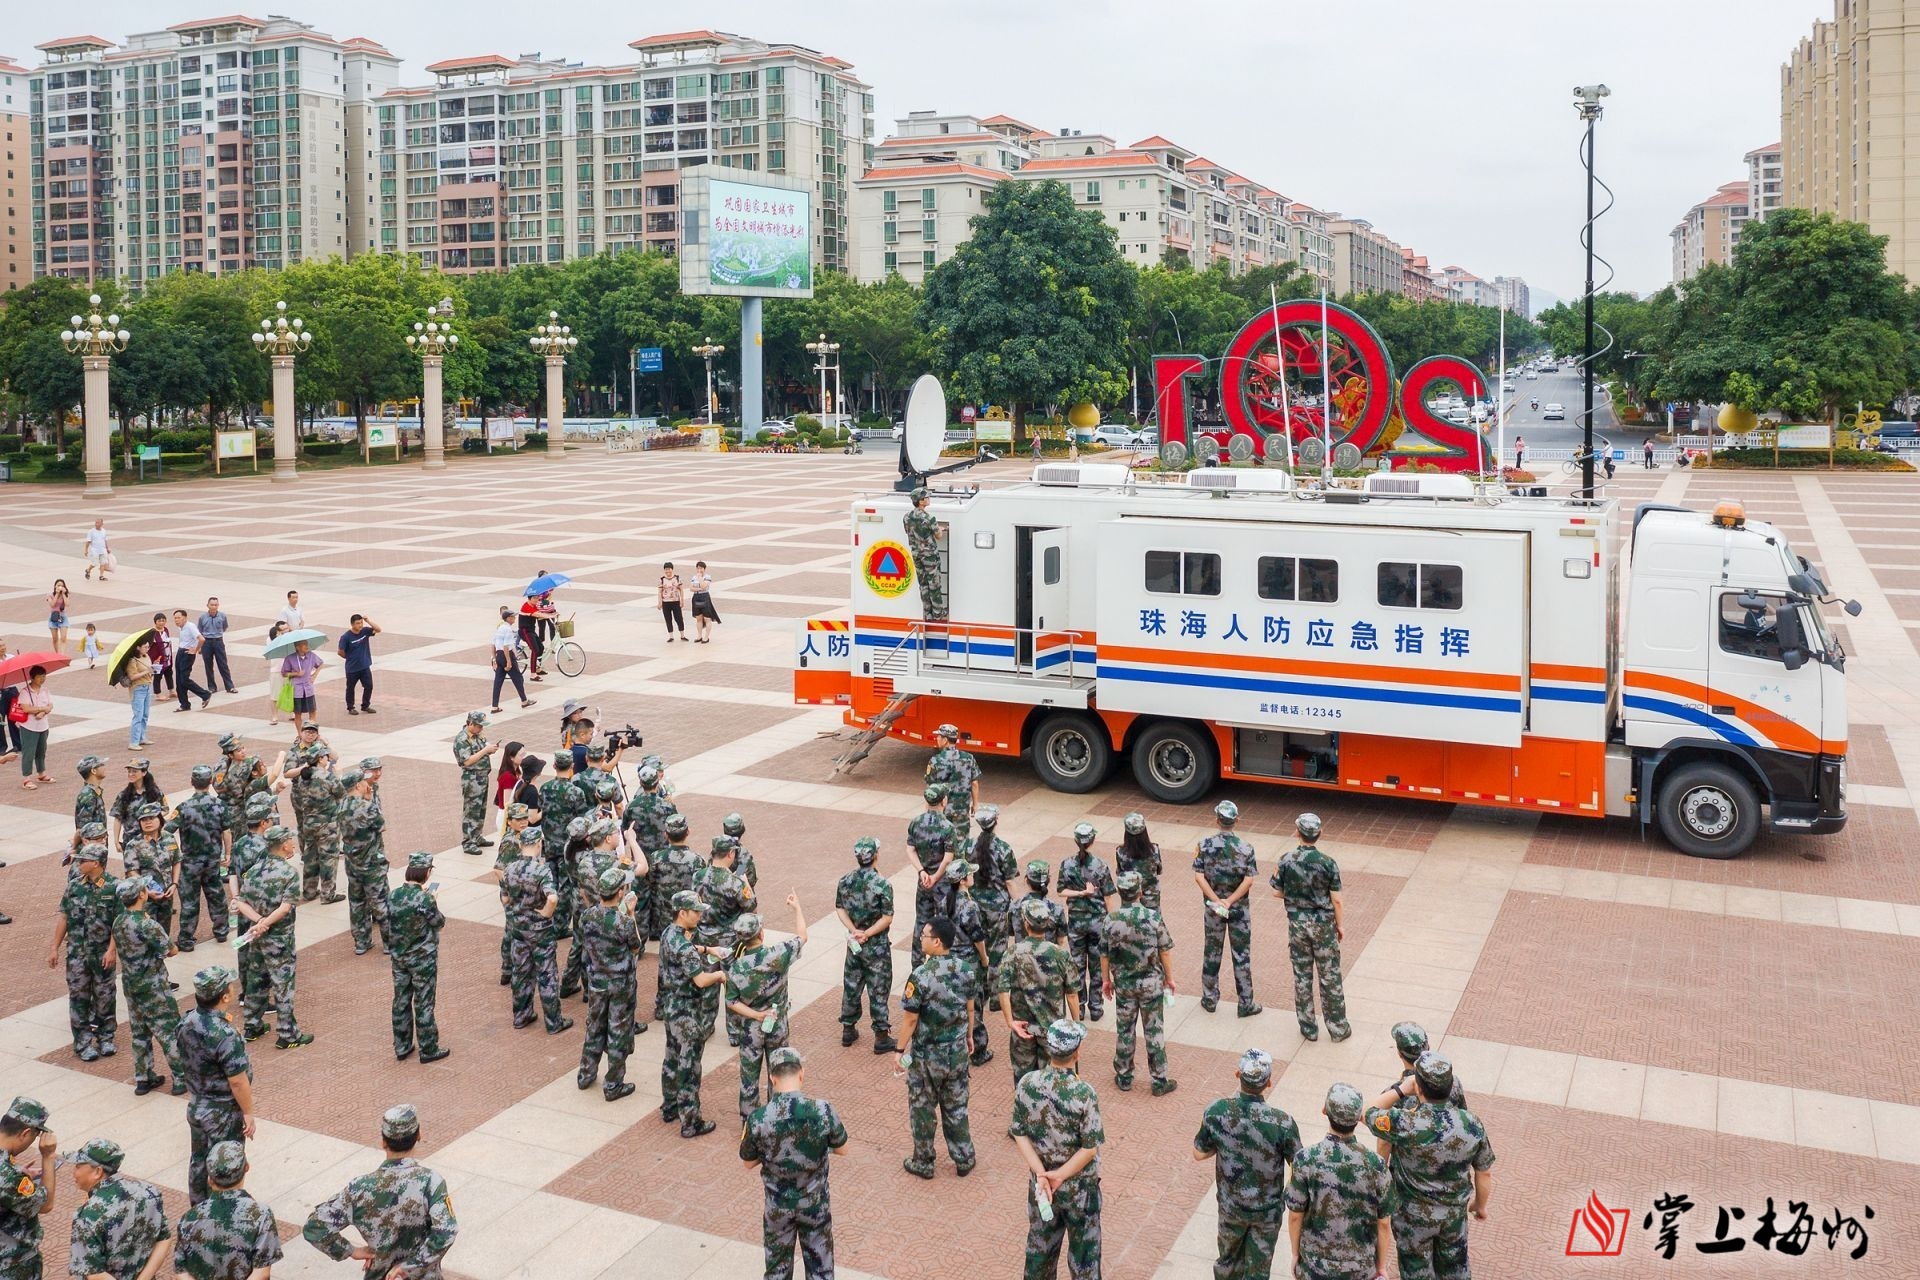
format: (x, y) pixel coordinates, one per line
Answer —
(624, 739)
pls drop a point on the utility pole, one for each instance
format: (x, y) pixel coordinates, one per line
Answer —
(1587, 103)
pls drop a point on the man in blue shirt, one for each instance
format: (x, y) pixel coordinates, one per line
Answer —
(356, 659)
(213, 644)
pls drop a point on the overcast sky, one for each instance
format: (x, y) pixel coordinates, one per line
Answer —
(1446, 124)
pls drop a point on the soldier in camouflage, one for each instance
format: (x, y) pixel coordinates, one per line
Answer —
(316, 809)
(1037, 875)
(229, 1235)
(757, 992)
(363, 848)
(142, 946)
(249, 850)
(789, 1139)
(1442, 1168)
(646, 816)
(734, 827)
(121, 1229)
(152, 853)
(864, 902)
(1086, 886)
(1138, 853)
(1340, 1201)
(530, 900)
(1309, 881)
(84, 926)
(90, 802)
(970, 950)
(604, 845)
(269, 897)
(728, 897)
(934, 843)
(1251, 1144)
(673, 868)
(690, 982)
(213, 1061)
(959, 773)
(994, 868)
(1136, 971)
(1224, 868)
(27, 1186)
(201, 823)
(414, 921)
(561, 801)
(939, 999)
(609, 936)
(596, 772)
(1056, 1124)
(402, 1210)
(233, 782)
(1410, 1041)
(471, 751)
(513, 827)
(1036, 988)
(923, 543)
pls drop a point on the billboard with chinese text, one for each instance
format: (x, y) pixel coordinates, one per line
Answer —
(745, 238)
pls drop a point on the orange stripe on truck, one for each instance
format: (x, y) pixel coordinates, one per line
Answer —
(1783, 732)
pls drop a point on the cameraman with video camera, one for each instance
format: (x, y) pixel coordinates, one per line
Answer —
(577, 737)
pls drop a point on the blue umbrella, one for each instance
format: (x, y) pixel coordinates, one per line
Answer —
(283, 644)
(546, 582)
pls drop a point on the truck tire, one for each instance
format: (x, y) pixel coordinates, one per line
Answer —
(1709, 811)
(1175, 762)
(1071, 752)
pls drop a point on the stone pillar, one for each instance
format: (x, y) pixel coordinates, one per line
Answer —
(433, 426)
(556, 405)
(751, 311)
(98, 458)
(285, 428)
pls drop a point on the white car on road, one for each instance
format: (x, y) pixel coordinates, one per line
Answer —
(1120, 436)
(1554, 413)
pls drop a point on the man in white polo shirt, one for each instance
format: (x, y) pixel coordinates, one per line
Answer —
(99, 553)
(186, 647)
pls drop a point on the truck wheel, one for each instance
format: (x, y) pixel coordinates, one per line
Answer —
(1709, 811)
(1071, 752)
(1175, 763)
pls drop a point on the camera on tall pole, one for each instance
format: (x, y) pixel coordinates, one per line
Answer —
(1587, 103)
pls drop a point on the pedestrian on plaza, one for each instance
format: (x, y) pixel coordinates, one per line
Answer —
(863, 900)
(90, 802)
(213, 644)
(506, 660)
(290, 618)
(139, 678)
(1056, 1125)
(27, 1186)
(610, 938)
(402, 1210)
(1086, 886)
(691, 976)
(299, 668)
(936, 1008)
(934, 843)
(187, 643)
(36, 704)
(994, 869)
(1035, 988)
(757, 992)
(120, 1228)
(84, 926)
(151, 854)
(1341, 1200)
(141, 789)
(213, 1060)
(1136, 972)
(99, 550)
(1409, 1042)
(730, 900)
(142, 946)
(229, 1235)
(536, 622)
(363, 850)
(1520, 449)
(527, 791)
(1224, 868)
(356, 661)
(704, 614)
(670, 870)
(1138, 853)
(59, 602)
(269, 898)
(1442, 1168)
(201, 823)
(9, 731)
(317, 793)
(1251, 1144)
(506, 783)
(160, 653)
(1646, 453)
(1309, 881)
(528, 895)
(959, 773)
(90, 647)
(414, 922)
(233, 781)
(789, 1140)
(671, 593)
(471, 751)
(970, 951)
(1037, 875)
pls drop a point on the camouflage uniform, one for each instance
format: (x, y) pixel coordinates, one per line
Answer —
(227, 1236)
(994, 867)
(610, 939)
(316, 807)
(728, 897)
(233, 782)
(1056, 930)
(201, 822)
(1252, 1144)
(1343, 1190)
(932, 838)
(587, 866)
(957, 771)
(414, 921)
(90, 911)
(689, 1013)
(473, 786)
(646, 816)
(270, 882)
(362, 843)
(1036, 975)
(970, 936)
(758, 979)
(89, 806)
(1082, 870)
(561, 801)
(791, 1137)
(1135, 935)
(530, 939)
(1226, 860)
(404, 1213)
(248, 851)
(1436, 1148)
(923, 543)
(672, 869)
(141, 944)
(865, 896)
(1148, 869)
(155, 859)
(1059, 1113)
(115, 1230)
(211, 1054)
(505, 853)
(940, 992)
(1308, 879)
(22, 1197)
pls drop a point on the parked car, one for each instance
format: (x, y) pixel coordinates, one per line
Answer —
(1890, 436)
(1554, 413)
(778, 427)
(1117, 435)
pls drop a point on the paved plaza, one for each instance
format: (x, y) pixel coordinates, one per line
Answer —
(1627, 1022)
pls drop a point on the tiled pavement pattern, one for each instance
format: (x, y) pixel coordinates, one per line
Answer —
(1626, 1020)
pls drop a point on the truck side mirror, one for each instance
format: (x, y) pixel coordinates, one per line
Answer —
(1793, 659)
(1853, 608)
(1793, 639)
(1803, 585)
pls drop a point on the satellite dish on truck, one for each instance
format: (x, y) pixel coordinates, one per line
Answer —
(925, 435)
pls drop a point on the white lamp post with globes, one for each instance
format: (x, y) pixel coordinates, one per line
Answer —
(95, 339)
(432, 339)
(554, 340)
(281, 339)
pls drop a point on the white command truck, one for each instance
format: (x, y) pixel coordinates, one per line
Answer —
(1413, 638)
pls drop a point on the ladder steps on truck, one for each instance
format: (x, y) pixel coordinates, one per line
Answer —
(864, 741)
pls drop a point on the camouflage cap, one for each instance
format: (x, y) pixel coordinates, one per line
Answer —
(734, 825)
(1256, 1068)
(278, 835)
(318, 750)
(531, 835)
(87, 764)
(94, 833)
(783, 1057)
(919, 495)
(226, 1163)
(988, 816)
(1344, 1105)
(676, 824)
(420, 858)
(1134, 823)
(600, 828)
(611, 881)
(1039, 872)
(129, 889)
(101, 1153)
(1127, 883)
(959, 869)
(311, 728)
(26, 1111)
(577, 828)
(229, 743)
(1308, 825)
(1434, 1072)
(141, 763)
(214, 980)
(1064, 1036)
(597, 751)
(654, 762)
(151, 809)
(562, 761)
(201, 775)
(1035, 912)
(259, 807)
(1410, 1038)
(517, 812)
(402, 1121)
(688, 900)
(1227, 812)
(865, 850)
(648, 775)
(1083, 834)
(747, 925)
(371, 764)
(935, 793)
(605, 789)
(475, 717)
(352, 778)
(91, 853)
(722, 844)
(948, 731)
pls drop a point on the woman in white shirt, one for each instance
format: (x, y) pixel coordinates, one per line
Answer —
(704, 614)
(506, 660)
(38, 704)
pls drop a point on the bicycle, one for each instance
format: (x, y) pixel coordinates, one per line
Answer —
(569, 658)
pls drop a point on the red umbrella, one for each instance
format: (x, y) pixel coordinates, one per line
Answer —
(14, 670)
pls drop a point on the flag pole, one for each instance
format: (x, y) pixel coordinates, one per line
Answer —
(1500, 444)
(1280, 366)
(1326, 394)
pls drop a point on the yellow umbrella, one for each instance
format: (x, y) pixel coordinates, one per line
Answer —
(123, 654)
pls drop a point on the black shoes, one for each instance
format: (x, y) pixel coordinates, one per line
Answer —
(585, 1080)
(293, 1041)
(1248, 1010)
(699, 1129)
(1161, 1088)
(145, 1087)
(436, 1055)
(885, 1044)
(560, 1026)
(401, 1055)
(848, 1034)
(616, 1092)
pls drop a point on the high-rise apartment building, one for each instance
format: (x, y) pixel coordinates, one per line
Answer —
(503, 161)
(1765, 188)
(1364, 260)
(215, 145)
(1514, 295)
(16, 214)
(1709, 231)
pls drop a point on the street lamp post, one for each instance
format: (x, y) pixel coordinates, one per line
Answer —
(1587, 103)
(554, 340)
(707, 350)
(96, 340)
(282, 339)
(432, 339)
(823, 351)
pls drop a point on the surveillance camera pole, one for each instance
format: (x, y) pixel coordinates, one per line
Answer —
(1588, 105)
